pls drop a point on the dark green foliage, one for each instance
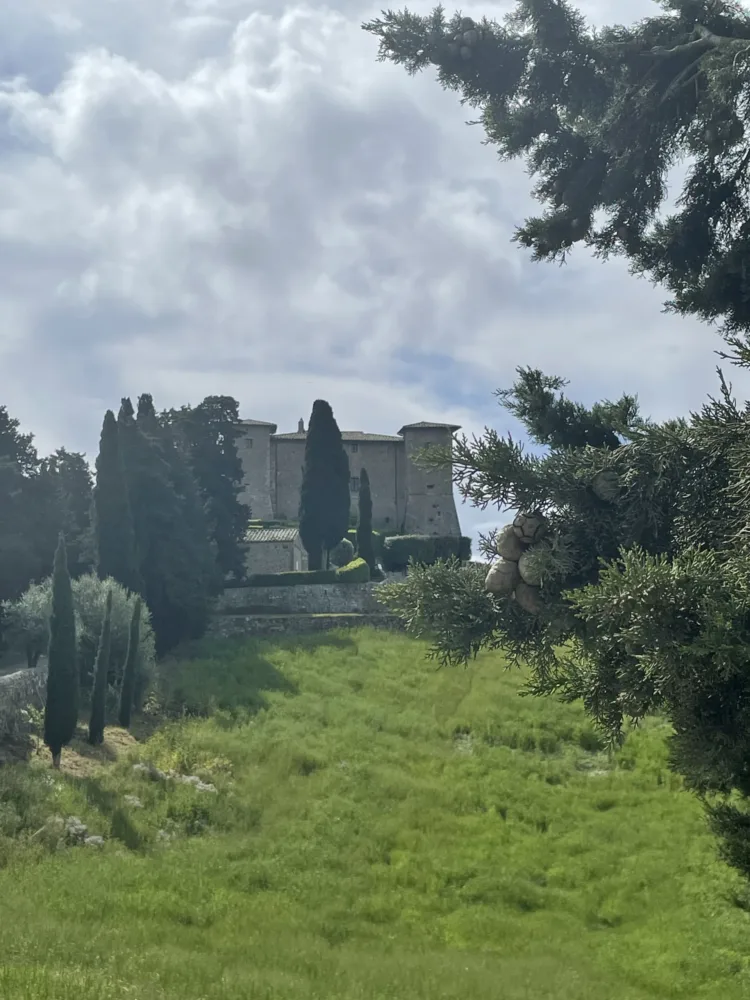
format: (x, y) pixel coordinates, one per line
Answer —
(66, 480)
(377, 541)
(113, 518)
(342, 554)
(324, 496)
(101, 669)
(127, 690)
(24, 555)
(365, 547)
(172, 546)
(207, 434)
(600, 116)
(399, 550)
(38, 500)
(645, 601)
(357, 571)
(61, 707)
(292, 578)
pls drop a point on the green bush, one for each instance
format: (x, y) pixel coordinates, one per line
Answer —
(343, 553)
(424, 549)
(27, 624)
(356, 571)
(291, 578)
(377, 541)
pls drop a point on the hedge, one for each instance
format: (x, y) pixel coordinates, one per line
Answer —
(351, 573)
(377, 541)
(425, 549)
(290, 578)
(357, 571)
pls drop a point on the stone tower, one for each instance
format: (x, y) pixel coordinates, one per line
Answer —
(430, 508)
(254, 450)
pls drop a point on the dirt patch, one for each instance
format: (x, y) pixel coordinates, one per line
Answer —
(80, 759)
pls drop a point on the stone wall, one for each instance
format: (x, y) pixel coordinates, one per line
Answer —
(226, 626)
(309, 598)
(18, 691)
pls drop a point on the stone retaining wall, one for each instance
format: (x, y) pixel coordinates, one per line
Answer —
(224, 626)
(307, 598)
(18, 691)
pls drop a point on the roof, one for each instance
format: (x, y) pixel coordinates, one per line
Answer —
(345, 436)
(271, 534)
(259, 423)
(427, 424)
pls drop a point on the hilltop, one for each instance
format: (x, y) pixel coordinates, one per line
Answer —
(379, 829)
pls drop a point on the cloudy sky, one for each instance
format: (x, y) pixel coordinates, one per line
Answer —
(229, 196)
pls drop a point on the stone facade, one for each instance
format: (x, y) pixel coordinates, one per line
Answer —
(404, 497)
(274, 550)
(18, 691)
(311, 598)
(229, 626)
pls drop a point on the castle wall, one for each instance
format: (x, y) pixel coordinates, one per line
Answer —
(289, 459)
(380, 458)
(430, 505)
(404, 497)
(254, 450)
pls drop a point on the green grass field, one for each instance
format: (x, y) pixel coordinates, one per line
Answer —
(382, 830)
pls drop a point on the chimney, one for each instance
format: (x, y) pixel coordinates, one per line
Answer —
(301, 426)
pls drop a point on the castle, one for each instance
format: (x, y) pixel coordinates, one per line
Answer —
(405, 498)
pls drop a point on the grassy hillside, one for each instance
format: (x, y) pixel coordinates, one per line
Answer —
(380, 830)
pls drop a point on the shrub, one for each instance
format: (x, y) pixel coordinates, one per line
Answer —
(423, 549)
(377, 541)
(343, 553)
(356, 571)
(28, 625)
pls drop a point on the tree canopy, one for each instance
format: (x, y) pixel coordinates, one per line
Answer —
(325, 499)
(623, 578)
(600, 117)
(207, 434)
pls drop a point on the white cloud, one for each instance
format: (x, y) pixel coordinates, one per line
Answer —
(235, 197)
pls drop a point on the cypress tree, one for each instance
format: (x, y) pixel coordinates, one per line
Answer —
(364, 524)
(207, 435)
(113, 520)
(131, 662)
(101, 668)
(324, 496)
(175, 559)
(61, 707)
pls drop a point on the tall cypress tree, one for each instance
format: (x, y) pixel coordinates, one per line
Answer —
(365, 548)
(324, 496)
(127, 691)
(112, 515)
(61, 707)
(175, 560)
(99, 698)
(207, 434)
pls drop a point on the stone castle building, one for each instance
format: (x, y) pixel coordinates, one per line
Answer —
(405, 498)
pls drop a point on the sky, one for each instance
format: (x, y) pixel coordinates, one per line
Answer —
(234, 197)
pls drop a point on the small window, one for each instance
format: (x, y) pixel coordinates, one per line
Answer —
(388, 520)
(249, 442)
(430, 486)
(354, 484)
(355, 447)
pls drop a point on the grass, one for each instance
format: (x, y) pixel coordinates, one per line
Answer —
(381, 830)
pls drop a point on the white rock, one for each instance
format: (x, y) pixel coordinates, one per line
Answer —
(133, 801)
(94, 841)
